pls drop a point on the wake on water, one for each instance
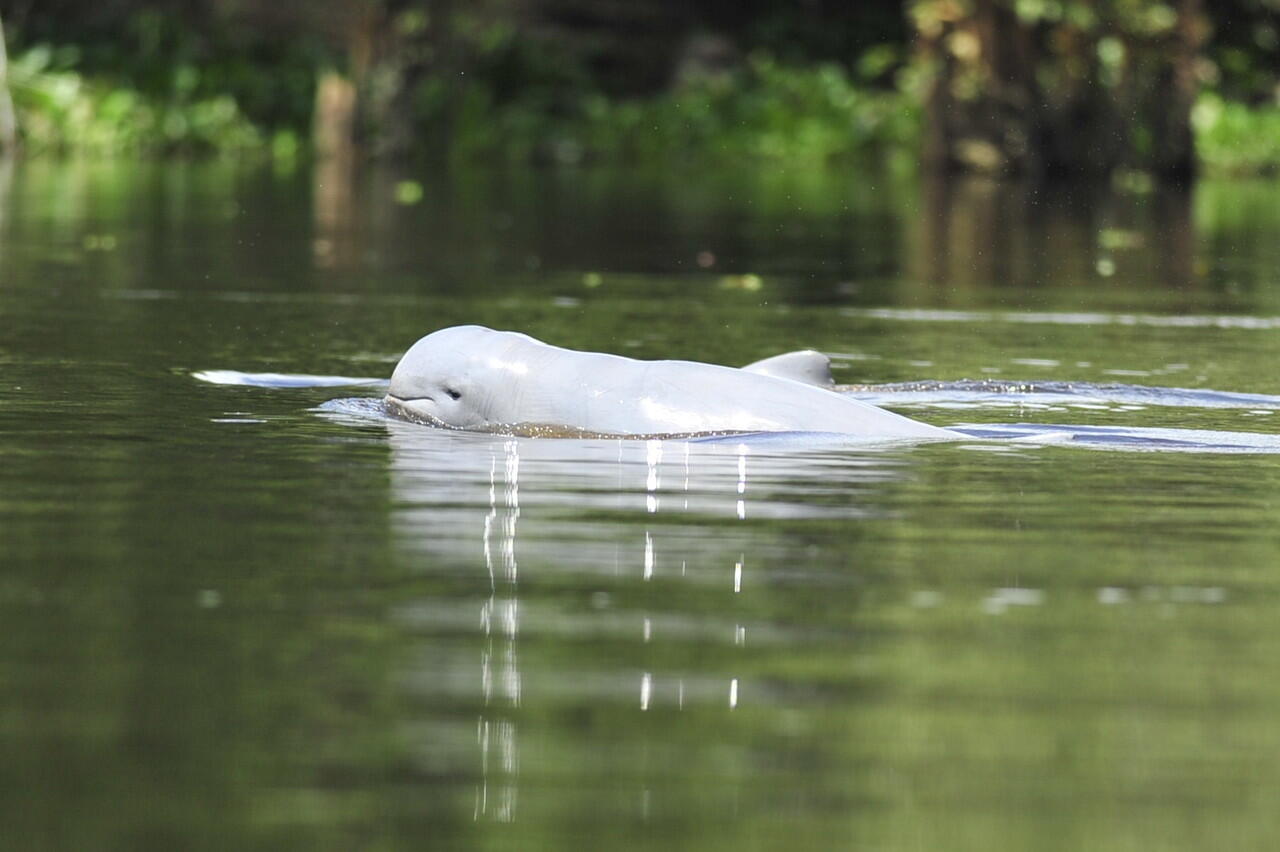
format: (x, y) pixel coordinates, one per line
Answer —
(959, 395)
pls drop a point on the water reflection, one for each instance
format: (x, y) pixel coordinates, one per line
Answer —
(974, 233)
(6, 180)
(533, 236)
(497, 734)
(608, 516)
(457, 491)
(337, 218)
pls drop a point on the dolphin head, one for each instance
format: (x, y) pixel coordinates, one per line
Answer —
(455, 377)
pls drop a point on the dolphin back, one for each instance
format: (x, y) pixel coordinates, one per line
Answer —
(618, 395)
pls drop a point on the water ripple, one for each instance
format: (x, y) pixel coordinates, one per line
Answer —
(992, 392)
(1066, 318)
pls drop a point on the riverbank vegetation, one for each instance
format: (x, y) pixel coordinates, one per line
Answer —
(559, 81)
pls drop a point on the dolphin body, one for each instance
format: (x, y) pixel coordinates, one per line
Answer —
(475, 378)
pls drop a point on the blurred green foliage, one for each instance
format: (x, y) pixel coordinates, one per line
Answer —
(546, 81)
(762, 110)
(61, 110)
(1235, 138)
(179, 51)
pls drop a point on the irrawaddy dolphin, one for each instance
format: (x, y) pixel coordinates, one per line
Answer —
(475, 378)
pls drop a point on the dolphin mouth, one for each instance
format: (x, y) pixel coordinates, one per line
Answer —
(403, 408)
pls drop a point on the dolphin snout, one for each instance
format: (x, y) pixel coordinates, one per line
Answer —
(411, 407)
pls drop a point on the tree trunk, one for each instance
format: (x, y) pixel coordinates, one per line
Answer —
(334, 118)
(8, 122)
(1168, 107)
(1094, 86)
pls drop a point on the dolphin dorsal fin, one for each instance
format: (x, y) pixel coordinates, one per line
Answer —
(806, 365)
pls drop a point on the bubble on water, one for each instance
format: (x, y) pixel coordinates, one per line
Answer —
(1001, 599)
(1113, 595)
(926, 598)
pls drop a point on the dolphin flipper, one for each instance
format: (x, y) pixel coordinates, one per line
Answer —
(806, 365)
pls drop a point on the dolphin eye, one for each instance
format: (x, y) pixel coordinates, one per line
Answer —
(453, 394)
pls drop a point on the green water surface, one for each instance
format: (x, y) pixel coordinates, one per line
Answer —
(230, 621)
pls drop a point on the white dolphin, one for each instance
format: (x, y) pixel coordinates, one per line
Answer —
(476, 378)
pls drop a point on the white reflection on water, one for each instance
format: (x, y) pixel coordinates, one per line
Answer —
(498, 736)
(587, 514)
(648, 555)
(446, 486)
(653, 460)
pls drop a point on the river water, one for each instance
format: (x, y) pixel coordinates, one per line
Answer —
(243, 614)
